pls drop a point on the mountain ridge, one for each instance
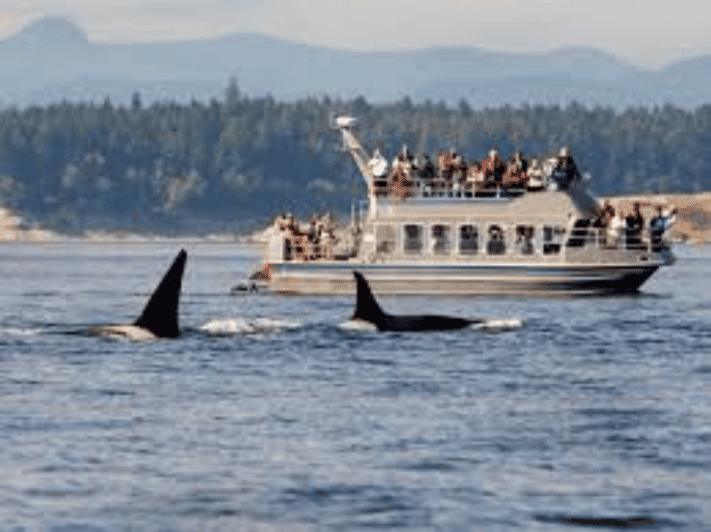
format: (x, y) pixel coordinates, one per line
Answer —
(52, 53)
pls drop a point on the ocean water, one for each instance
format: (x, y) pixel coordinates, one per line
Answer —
(267, 414)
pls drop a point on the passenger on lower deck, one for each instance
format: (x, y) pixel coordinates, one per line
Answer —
(660, 224)
(602, 223)
(634, 225)
(616, 229)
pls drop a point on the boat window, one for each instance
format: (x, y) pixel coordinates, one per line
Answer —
(468, 240)
(496, 244)
(385, 239)
(552, 239)
(579, 234)
(413, 239)
(441, 239)
(524, 239)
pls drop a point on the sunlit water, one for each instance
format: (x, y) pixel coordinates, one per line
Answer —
(268, 414)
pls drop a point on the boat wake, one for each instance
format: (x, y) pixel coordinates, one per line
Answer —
(238, 326)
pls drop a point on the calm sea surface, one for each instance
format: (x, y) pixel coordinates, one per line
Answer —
(596, 413)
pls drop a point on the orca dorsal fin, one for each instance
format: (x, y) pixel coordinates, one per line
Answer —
(160, 315)
(367, 307)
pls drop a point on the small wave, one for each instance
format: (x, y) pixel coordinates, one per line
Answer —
(246, 326)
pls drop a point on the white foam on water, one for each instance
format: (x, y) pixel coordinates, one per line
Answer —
(19, 332)
(358, 325)
(247, 326)
(499, 324)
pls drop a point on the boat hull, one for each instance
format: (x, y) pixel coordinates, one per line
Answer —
(337, 278)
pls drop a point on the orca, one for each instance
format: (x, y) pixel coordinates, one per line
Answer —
(368, 310)
(159, 318)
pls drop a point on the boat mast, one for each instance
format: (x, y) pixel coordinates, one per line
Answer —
(361, 158)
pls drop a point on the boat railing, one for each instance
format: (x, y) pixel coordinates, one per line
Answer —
(495, 191)
(602, 238)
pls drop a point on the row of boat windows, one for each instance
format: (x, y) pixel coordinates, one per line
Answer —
(468, 239)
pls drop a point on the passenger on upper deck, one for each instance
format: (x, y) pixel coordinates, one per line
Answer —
(565, 172)
(426, 174)
(534, 173)
(518, 161)
(459, 173)
(378, 164)
(493, 168)
(515, 174)
(400, 181)
(447, 162)
(475, 176)
(427, 168)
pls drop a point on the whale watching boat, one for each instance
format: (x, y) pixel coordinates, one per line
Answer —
(450, 227)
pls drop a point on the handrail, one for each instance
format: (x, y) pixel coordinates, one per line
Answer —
(602, 238)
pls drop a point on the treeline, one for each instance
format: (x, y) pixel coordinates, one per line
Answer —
(232, 164)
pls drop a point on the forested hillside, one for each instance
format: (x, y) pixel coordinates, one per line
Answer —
(232, 164)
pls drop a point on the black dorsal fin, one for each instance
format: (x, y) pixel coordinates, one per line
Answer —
(367, 307)
(160, 315)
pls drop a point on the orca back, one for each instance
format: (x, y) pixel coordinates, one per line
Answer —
(160, 315)
(367, 308)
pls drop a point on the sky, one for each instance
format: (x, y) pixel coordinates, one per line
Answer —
(648, 33)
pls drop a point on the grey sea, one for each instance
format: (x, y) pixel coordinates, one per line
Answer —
(269, 414)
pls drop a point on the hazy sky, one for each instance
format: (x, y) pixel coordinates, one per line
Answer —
(646, 32)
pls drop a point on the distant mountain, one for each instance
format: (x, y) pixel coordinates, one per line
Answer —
(50, 31)
(52, 59)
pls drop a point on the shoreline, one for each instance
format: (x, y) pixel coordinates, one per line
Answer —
(693, 224)
(693, 220)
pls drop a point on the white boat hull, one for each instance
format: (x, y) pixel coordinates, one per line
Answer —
(337, 278)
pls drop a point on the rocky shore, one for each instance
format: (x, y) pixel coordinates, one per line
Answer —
(13, 229)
